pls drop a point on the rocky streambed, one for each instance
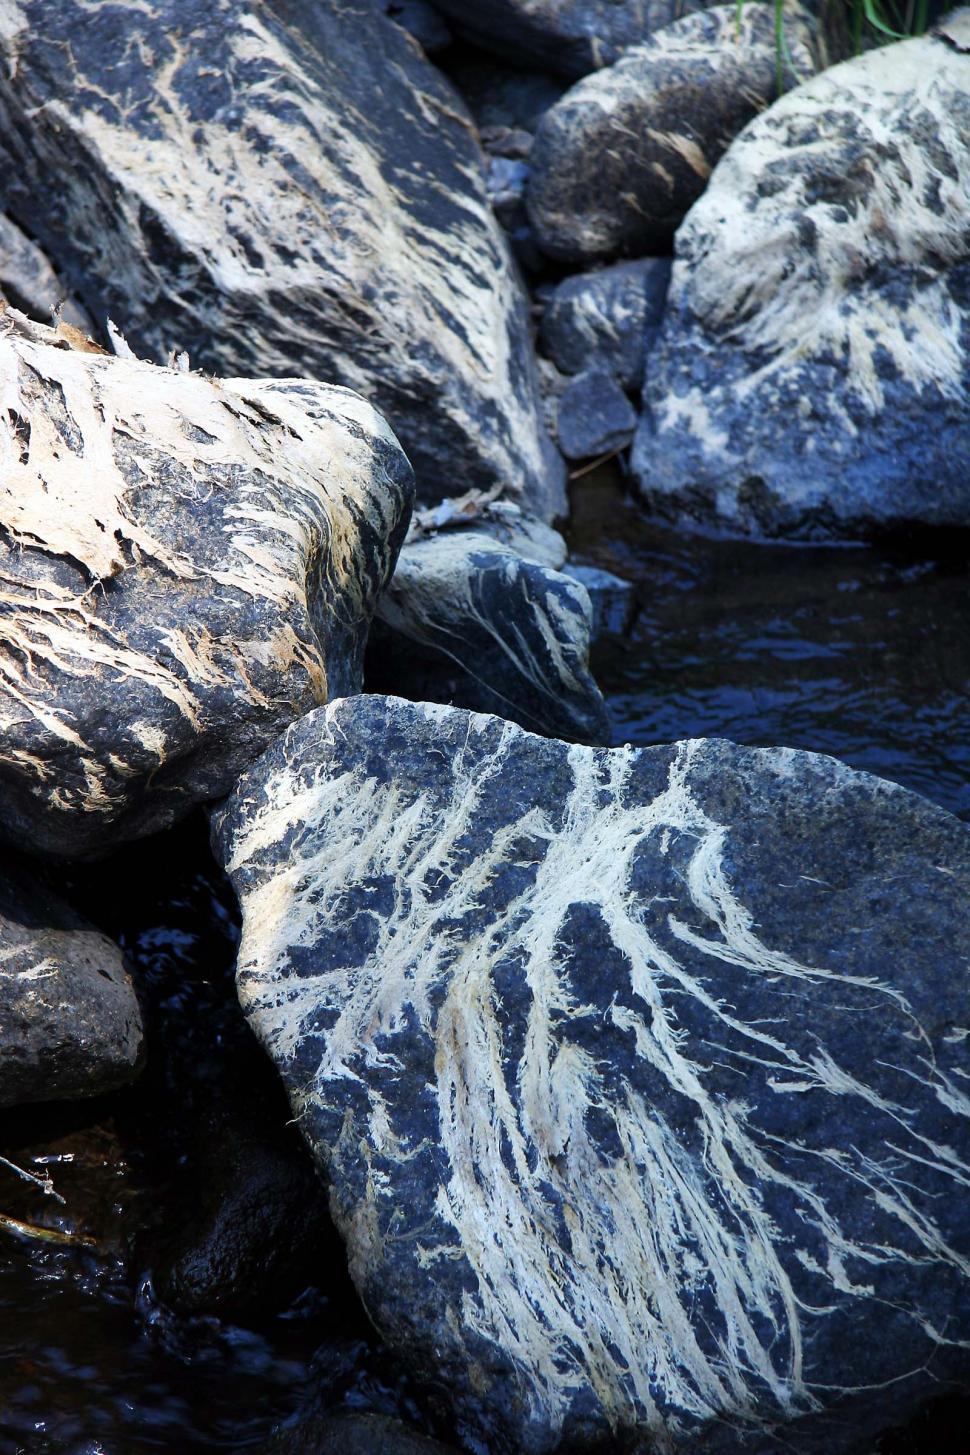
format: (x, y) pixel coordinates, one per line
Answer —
(484, 844)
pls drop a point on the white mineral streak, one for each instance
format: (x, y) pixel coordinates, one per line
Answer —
(64, 492)
(746, 272)
(434, 598)
(229, 203)
(649, 1229)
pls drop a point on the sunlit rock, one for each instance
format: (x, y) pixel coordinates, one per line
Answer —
(639, 1076)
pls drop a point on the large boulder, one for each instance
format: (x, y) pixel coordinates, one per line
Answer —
(572, 37)
(813, 372)
(619, 160)
(284, 189)
(70, 1023)
(639, 1076)
(185, 566)
(480, 617)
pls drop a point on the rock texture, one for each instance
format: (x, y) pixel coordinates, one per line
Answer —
(813, 373)
(281, 189)
(28, 281)
(480, 618)
(594, 416)
(70, 1024)
(619, 160)
(572, 37)
(185, 566)
(639, 1077)
(607, 319)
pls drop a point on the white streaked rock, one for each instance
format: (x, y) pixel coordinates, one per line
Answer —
(639, 1077)
(813, 371)
(186, 564)
(281, 189)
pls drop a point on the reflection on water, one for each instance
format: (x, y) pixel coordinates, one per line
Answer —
(859, 652)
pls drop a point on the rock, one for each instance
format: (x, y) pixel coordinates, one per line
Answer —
(812, 374)
(638, 1076)
(613, 600)
(28, 281)
(619, 160)
(422, 21)
(478, 618)
(70, 1024)
(186, 565)
(500, 97)
(595, 416)
(351, 1434)
(250, 1227)
(223, 191)
(608, 318)
(571, 37)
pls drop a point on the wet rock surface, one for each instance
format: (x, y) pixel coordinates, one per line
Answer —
(187, 564)
(618, 162)
(480, 618)
(608, 318)
(619, 996)
(227, 189)
(572, 37)
(812, 373)
(70, 1022)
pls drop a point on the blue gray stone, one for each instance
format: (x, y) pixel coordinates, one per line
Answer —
(609, 318)
(812, 377)
(613, 599)
(594, 416)
(639, 1077)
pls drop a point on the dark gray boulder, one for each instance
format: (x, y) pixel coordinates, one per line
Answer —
(422, 21)
(571, 37)
(70, 1023)
(481, 618)
(608, 318)
(619, 160)
(28, 281)
(612, 598)
(594, 416)
(352, 1434)
(639, 1076)
(813, 373)
(282, 189)
(185, 566)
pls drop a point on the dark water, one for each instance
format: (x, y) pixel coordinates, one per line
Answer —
(860, 653)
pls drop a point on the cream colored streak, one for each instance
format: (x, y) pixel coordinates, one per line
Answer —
(607, 1301)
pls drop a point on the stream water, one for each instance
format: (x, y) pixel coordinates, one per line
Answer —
(863, 653)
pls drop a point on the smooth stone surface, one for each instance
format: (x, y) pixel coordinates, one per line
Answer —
(478, 618)
(28, 281)
(607, 318)
(280, 189)
(595, 417)
(812, 377)
(186, 565)
(619, 160)
(70, 1023)
(613, 600)
(571, 37)
(639, 1077)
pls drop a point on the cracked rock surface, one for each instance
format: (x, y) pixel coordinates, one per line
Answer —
(186, 565)
(638, 1076)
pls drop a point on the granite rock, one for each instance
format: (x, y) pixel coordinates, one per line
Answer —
(638, 1076)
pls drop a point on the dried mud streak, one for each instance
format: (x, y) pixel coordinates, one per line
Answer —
(585, 1266)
